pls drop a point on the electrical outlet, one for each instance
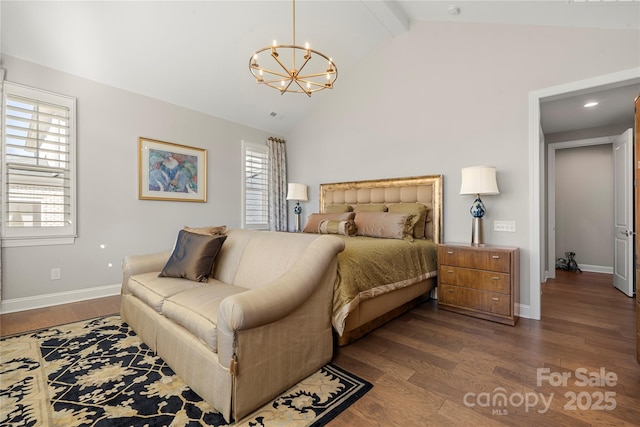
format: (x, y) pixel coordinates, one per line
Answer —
(55, 274)
(509, 226)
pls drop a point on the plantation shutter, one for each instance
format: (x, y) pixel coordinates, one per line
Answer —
(38, 196)
(256, 186)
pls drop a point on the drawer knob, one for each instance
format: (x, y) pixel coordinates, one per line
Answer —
(450, 290)
(495, 278)
(496, 257)
(495, 299)
(450, 252)
(449, 271)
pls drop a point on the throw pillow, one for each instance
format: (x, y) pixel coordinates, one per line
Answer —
(193, 256)
(208, 231)
(387, 225)
(419, 212)
(372, 207)
(337, 208)
(346, 228)
(314, 220)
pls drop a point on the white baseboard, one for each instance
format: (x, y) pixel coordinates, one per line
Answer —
(524, 310)
(585, 267)
(48, 300)
(596, 268)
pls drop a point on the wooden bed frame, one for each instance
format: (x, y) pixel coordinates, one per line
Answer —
(373, 312)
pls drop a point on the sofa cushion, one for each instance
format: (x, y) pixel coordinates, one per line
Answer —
(257, 267)
(197, 310)
(193, 256)
(153, 290)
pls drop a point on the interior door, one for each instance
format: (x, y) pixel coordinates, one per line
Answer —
(636, 163)
(623, 266)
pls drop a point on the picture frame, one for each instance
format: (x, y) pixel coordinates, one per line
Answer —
(168, 171)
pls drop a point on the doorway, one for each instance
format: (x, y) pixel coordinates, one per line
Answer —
(537, 175)
(580, 176)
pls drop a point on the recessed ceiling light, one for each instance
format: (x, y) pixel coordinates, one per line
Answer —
(591, 104)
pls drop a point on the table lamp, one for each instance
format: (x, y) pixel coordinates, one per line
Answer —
(297, 192)
(478, 180)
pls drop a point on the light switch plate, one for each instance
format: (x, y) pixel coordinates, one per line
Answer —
(509, 226)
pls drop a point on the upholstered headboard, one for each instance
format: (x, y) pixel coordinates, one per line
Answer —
(426, 190)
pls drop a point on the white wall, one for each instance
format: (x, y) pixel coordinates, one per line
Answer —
(445, 96)
(110, 121)
(584, 204)
(434, 100)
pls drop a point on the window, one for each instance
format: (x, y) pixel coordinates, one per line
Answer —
(255, 186)
(38, 164)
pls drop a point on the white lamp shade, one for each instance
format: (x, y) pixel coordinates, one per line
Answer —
(479, 180)
(297, 191)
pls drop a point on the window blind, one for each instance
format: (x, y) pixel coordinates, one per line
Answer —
(37, 149)
(256, 187)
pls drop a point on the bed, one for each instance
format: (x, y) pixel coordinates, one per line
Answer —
(381, 277)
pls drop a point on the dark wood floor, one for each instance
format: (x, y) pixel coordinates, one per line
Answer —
(31, 320)
(433, 367)
(425, 362)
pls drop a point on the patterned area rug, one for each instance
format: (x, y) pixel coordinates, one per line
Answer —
(98, 373)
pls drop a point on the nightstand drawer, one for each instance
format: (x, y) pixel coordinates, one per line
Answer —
(489, 302)
(475, 279)
(494, 260)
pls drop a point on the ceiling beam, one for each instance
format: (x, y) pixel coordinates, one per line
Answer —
(390, 15)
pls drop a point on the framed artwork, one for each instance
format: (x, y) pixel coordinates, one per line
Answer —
(169, 171)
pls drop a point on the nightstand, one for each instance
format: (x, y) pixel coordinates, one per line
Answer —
(637, 328)
(479, 281)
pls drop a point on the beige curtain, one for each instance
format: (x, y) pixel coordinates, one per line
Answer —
(1, 173)
(277, 184)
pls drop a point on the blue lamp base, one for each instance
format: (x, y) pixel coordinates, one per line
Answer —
(297, 210)
(477, 212)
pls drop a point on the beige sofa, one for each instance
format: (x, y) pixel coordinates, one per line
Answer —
(258, 326)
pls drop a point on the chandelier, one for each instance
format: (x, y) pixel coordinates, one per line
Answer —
(316, 71)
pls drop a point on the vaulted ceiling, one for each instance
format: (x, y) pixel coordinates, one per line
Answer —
(196, 53)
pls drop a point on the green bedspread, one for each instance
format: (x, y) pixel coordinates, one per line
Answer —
(371, 266)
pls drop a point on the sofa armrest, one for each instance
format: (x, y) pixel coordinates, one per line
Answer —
(138, 264)
(282, 296)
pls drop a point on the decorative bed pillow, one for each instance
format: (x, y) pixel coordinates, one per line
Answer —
(207, 231)
(314, 220)
(193, 256)
(387, 225)
(419, 212)
(373, 207)
(337, 208)
(346, 228)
